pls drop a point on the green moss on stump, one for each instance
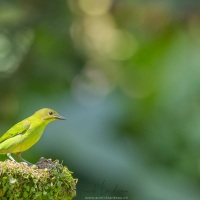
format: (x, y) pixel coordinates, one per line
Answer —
(46, 180)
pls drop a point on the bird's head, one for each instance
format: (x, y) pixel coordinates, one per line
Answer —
(48, 115)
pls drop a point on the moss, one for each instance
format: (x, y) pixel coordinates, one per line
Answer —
(46, 180)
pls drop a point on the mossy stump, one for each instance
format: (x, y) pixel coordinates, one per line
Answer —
(46, 180)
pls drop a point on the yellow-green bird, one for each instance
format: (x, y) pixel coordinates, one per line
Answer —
(26, 133)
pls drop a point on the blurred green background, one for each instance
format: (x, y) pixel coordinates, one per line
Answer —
(125, 74)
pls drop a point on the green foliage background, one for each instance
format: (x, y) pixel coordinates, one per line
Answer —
(126, 74)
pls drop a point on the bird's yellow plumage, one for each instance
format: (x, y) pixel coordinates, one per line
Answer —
(26, 133)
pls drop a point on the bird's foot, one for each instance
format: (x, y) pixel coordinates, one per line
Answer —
(11, 158)
(27, 163)
(24, 161)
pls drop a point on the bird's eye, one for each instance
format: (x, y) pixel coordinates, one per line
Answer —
(51, 113)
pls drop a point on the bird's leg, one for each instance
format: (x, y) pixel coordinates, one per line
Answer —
(20, 157)
(11, 158)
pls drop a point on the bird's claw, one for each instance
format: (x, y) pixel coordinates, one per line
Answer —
(25, 163)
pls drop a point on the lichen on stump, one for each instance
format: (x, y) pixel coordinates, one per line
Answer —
(46, 179)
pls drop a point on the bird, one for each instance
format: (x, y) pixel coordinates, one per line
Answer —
(26, 133)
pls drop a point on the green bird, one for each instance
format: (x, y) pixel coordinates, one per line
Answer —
(26, 133)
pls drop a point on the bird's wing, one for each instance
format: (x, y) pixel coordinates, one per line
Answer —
(17, 129)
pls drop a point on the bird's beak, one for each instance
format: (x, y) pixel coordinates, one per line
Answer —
(59, 117)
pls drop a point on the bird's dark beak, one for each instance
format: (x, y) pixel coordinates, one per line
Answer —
(59, 117)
